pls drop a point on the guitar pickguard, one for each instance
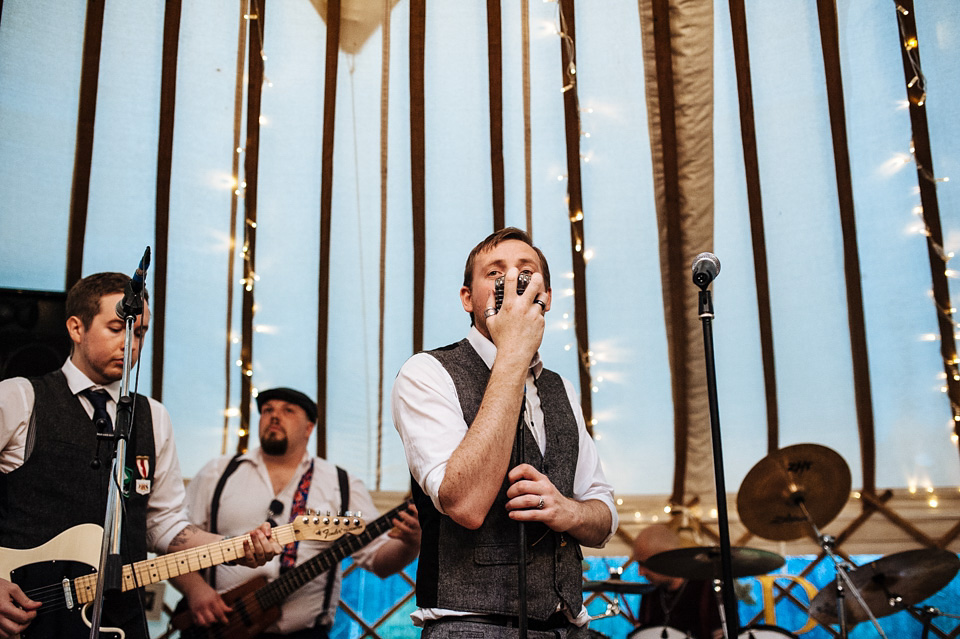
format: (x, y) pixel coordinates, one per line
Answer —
(54, 618)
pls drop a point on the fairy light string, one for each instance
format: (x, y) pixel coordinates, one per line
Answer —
(928, 211)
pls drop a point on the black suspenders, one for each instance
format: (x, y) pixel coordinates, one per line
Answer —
(344, 481)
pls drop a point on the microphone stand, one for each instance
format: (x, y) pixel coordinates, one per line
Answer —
(731, 625)
(109, 575)
(522, 537)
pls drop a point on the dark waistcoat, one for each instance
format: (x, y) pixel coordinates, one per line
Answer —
(56, 488)
(476, 570)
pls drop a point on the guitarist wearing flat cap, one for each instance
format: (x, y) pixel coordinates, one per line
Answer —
(280, 480)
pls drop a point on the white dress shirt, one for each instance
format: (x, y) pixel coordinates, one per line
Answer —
(428, 416)
(165, 513)
(244, 503)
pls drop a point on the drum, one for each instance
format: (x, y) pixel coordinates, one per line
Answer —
(658, 632)
(762, 631)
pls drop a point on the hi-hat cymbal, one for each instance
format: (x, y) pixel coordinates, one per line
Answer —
(705, 562)
(888, 585)
(619, 586)
(770, 496)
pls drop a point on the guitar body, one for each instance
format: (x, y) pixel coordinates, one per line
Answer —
(247, 620)
(61, 573)
(76, 552)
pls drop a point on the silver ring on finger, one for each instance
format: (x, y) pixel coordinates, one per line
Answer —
(543, 307)
(490, 311)
(541, 504)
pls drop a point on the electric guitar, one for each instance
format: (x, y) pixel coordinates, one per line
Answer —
(256, 603)
(61, 573)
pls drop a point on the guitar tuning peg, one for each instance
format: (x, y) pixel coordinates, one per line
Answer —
(348, 513)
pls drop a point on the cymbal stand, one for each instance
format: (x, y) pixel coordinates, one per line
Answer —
(613, 609)
(841, 567)
(718, 592)
(926, 615)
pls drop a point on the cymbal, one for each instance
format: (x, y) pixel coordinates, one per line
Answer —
(705, 562)
(619, 586)
(770, 496)
(888, 585)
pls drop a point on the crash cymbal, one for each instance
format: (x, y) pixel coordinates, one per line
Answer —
(888, 585)
(619, 586)
(705, 562)
(769, 499)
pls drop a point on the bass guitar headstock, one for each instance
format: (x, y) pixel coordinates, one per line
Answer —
(316, 527)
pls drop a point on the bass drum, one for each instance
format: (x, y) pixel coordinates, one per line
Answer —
(762, 631)
(658, 632)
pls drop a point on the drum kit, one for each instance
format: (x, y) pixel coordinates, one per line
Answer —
(791, 493)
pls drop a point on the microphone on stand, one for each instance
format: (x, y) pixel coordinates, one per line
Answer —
(132, 302)
(706, 267)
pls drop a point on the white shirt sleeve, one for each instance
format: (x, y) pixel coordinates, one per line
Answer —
(427, 414)
(166, 514)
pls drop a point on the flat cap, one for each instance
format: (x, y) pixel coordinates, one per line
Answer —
(289, 395)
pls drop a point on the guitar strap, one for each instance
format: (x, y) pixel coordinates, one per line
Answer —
(215, 507)
(342, 478)
(344, 507)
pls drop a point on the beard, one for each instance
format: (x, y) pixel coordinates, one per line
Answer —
(274, 444)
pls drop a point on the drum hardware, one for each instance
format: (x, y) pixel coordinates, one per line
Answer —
(703, 562)
(889, 584)
(658, 632)
(796, 489)
(763, 631)
(619, 586)
(613, 609)
(792, 487)
(927, 614)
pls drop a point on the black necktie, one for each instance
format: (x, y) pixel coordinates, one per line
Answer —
(101, 417)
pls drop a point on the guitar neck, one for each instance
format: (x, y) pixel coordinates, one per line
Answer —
(149, 571)
(279, 589)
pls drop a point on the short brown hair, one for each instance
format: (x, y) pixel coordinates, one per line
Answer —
(497, 238)
(83, 300)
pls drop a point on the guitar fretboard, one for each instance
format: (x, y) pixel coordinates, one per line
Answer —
(149, 571)
(279, 589)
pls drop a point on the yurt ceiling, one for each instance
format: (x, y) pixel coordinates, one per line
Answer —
(807, 144)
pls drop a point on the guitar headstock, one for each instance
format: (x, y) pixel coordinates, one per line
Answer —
(316, 527)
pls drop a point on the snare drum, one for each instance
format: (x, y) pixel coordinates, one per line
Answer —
(762, 631)
(658, 632)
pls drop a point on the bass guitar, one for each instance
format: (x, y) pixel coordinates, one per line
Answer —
(256, 603)
(61, 573)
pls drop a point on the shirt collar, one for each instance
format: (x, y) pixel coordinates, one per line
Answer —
(488, 351)
(77, 381)
(256, 455)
